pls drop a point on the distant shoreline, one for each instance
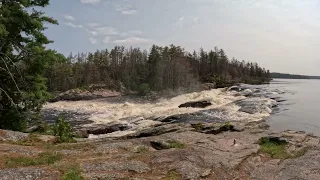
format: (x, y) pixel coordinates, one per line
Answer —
(291, 76)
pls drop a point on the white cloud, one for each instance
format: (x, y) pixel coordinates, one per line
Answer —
(70, 24)
(129, 12)
(125, 10)
(93, 25)
(90, 1)
(181, 18)
(93, 40)
(93, 33)
(132, 41)
(106, 40)
(131, 33)
(135, 32)
(69, 18)
(106, 31)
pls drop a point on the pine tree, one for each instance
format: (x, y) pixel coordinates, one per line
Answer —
(23, 59)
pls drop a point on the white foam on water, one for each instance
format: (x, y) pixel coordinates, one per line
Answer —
(103, 112)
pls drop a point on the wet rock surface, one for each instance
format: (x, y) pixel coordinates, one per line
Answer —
(256, 105)
(196, 104)
(105, 129)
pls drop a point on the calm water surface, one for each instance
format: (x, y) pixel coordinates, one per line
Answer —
(301, 109)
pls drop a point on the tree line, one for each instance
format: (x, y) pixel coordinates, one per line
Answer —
(160, 68)
(292, 76)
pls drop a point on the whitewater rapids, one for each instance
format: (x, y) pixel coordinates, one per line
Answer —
(102, 111)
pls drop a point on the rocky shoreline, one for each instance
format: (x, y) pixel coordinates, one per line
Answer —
(205, 143)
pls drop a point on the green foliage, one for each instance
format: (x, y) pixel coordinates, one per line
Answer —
(45, 158)
(144, 89)
(23, 60)
(13, 118)
(176, 144)
(63, 130)
(227, 125)
(172, 175)
(73, 173)
(198, 127)
(163, 68)
(278, 150)
(45, 129)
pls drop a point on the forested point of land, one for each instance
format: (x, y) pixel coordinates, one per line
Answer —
(29, 71)
(161, 68)
(292, 76)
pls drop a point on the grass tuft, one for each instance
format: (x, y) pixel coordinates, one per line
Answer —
(277, 149)
(198, 127)
(73, 173)
(172, 175)
(141, 149)
(176, 144)
(45, 158)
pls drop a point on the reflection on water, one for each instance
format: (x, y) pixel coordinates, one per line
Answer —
(301, 108)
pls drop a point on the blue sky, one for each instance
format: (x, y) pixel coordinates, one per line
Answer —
(281, 35)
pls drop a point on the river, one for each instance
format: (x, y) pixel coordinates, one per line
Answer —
(297, 109)
(301, 109)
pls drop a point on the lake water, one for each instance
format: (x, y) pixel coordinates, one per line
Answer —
(301, 109)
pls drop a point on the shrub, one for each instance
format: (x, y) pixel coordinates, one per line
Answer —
(73, 173)
(63, 130)
(143, 89)
(198, 127)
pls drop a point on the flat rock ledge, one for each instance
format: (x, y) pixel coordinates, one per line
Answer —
(178, 151)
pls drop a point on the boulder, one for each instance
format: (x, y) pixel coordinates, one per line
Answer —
(224, 128)
(81, 133)
(247, 92)
(196, 104)
(159, 145)
(274, 139)
(154, 131)
(234, 88)
(7, 135)
(256, 105)
(105, 129)
(209, 115)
